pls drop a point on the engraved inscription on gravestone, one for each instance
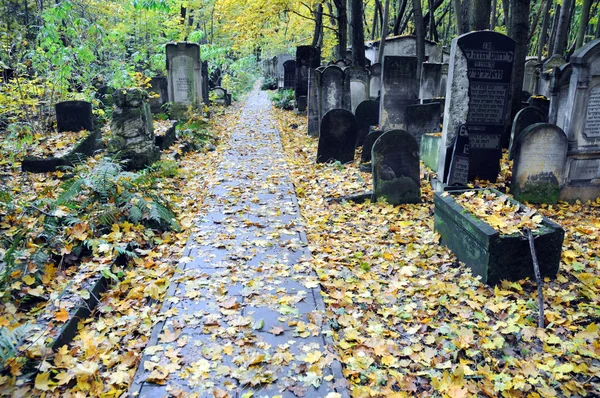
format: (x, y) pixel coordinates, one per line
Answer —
(459, 166)
(585, 170)
(183, 66)
(592, 121)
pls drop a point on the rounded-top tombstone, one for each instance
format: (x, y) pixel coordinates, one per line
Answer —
(367, 115)
(524, 118)
(333, 89)
(337, 137)
(74, 116)
(365, 157)
(396, 168)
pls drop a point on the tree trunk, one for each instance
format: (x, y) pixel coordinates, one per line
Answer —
(458, 14)
(318, 13)
(479, 14)
(375, 19)
(519, 29)
(553, 31)
(399, 17)
(432, 30)
(420, 34)
(506, 11)
(384, 31)
(350, 27)
(536, 20)
(544, 30)
(342, 19)
(358, 34)
(562, 29)
(464, 9)
(493, 16)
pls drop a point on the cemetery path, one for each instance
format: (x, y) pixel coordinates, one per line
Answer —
(244, 311)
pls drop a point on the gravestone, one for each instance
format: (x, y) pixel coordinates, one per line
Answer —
(422, 119)
(477, 95)
(458, 173)
(289, 74)
(375, 81)
(280, 61)
(222, 97)
(541, 103)
(399, 89)
(367, 115)
(205, 86)
(431, 81)
(131, 125)
(555, 61)
(396, 168)
(337, 137)
(540, 158)
(365, 157)
(306, 57)
(524, 118)
(582, 126)
(335, 92)
(358, 78)
(74, 116)
(160, 93)
(184, 74)
(314, 102)
(532, 67)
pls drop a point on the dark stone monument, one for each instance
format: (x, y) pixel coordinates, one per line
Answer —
(159, 91)
(541, 103)
(375, 81)
(524, 118)
(7, 75)
(205, 85)
(365, 157)
(289, 74)
(479, 79)
(314, 102)
(540, 159)
(74, 116)
(367, 115)
(423, 118)
(306, 57)
(458, 173)
(399, 89)
(337, 138)
(396, 168)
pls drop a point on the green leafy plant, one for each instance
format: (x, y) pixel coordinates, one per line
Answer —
(283, 99)
(9, 339)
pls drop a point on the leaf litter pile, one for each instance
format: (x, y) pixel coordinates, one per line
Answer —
(499, 212)
(409, 320)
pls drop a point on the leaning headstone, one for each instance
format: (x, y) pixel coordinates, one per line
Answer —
(431, 81)
(314, 102)
(160, 93)
(365, 157)
(358, 78)
(422, 119)
(184, 73)
(458, 173)
(582, 126)
(375, 81)
(337, 137)
(367, 115)
(334, 89)
(306, 57)
(524, 118)
(74, 116)
(131, 125)
(396, 168)
(289, 74)
(477, 96)
(399, 89)
(540, 158)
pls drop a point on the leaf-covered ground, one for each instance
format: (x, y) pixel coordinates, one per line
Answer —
(410, 320)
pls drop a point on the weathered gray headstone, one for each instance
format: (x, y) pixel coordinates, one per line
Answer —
(423, 118)
(337, 137)
(335, 92)
(131, 125)
(281, 59)
(367, 115)
(358, 78)
(306, 57)
(524, 118)
(396, 168)
(222, 97)
(540, 158)
(160, 93)
(314, 102)
(477, 95)
(375, 81)
(431, 81)
(74, 116)
(184, 74)
(399, 89)
(289, 74)
(532, 68)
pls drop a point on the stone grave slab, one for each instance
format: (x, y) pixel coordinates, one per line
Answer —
(429, 150)
(306, 57)
(423, 118)
(289, 74)
(367, 115)
(399, 89)
(458, 173)
(337, 138)
(74, 116)
(365, 157)
(540, 158)
(334, 89)
(314, 102)
(159, 90)
(358, 78)
(396, 168)
(184, 75)
(375, 80)
(431, 81)
(524, 118)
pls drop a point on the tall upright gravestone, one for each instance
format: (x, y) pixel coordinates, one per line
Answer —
(582, 126)
(289, 74)
(399, 89)
(337, 137)
(314, 102)
(375, 80)
(431, 81)
(358, 78)
(306, 57)
(335, 89)
(477, 96)
(184, 74)
(280, 61)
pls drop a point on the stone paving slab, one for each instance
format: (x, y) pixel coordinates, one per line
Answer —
(244, 311)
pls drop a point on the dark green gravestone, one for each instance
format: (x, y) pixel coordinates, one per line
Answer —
(337, 137)
(396, 168)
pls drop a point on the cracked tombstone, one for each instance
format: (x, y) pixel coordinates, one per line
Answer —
(540, 158)
(524, 118)
(337, 138)
(396, 168)
(74, 116)
(184, 76)
(131, 125)
(367, 115)
(399, 89)
(479, 86)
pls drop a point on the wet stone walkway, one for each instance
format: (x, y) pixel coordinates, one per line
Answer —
(244, 313)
